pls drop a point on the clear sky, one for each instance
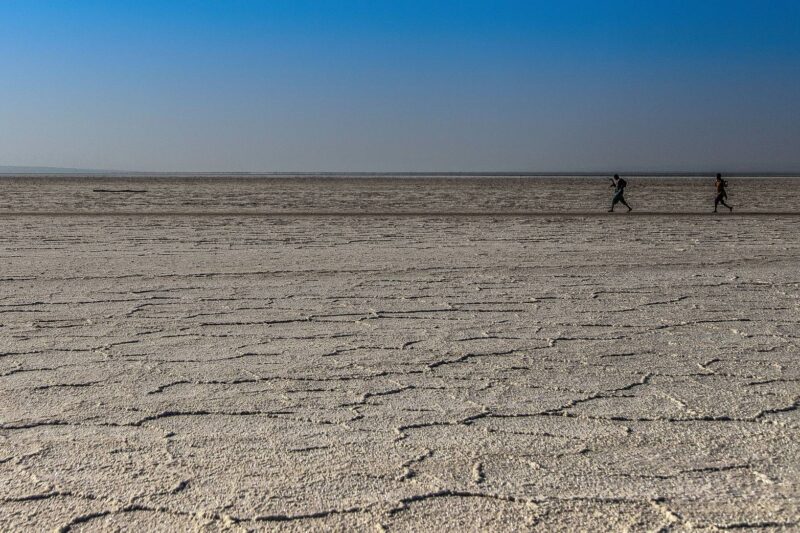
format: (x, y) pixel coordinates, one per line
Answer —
(401, 85)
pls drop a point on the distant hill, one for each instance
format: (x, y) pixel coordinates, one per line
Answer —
(10, 170)
(4, 169)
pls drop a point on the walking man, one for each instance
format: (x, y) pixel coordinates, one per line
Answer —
(619, 193)
(722, 195)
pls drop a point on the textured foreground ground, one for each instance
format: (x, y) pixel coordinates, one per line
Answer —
(399, 373)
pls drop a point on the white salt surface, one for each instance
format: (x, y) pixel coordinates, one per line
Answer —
(404, 373)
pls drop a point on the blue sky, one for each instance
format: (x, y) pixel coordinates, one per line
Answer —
(379, 85)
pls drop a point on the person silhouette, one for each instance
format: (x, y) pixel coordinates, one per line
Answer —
(619, 185)
(722, 195)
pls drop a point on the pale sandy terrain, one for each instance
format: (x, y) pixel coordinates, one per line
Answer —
(473, 194)
(399, 373)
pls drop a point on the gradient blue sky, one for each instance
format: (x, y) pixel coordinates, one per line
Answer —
(372, 85)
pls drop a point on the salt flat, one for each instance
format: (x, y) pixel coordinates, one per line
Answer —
(399, 373)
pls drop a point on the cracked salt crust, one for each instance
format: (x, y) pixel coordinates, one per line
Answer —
(190, 373)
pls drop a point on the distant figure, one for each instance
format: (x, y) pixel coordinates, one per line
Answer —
(619, 193)
(720, 184)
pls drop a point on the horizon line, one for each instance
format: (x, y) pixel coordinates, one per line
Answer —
(20, 171)
(391, 214)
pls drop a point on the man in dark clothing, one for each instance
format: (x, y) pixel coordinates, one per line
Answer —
(619, 193)
(722, 195)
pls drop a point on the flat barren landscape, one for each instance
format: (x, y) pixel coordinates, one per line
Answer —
(260, 354)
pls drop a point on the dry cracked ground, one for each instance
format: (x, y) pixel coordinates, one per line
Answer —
(399, 373)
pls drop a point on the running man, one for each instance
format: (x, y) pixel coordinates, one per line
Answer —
(619, 193)
(720, 184)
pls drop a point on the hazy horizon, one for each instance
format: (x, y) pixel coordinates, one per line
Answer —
(411, 86)
(12, 170)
